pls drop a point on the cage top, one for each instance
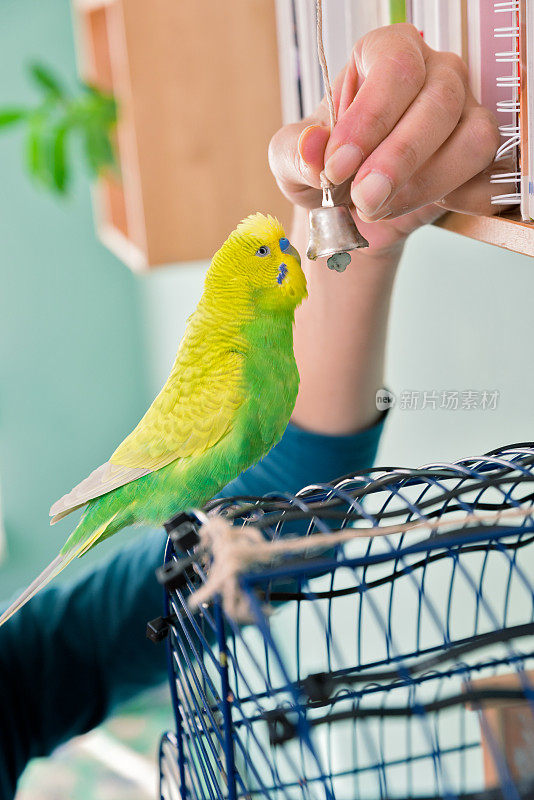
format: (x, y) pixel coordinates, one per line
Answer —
(500, 479)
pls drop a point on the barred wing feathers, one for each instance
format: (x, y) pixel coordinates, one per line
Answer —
(193, 411)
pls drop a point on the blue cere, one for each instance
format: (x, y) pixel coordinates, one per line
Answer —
(282, 271)
(284, 244)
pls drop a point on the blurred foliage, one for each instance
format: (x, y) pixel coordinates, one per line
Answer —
(91, 115)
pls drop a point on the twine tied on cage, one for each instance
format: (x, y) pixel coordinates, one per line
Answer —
(232, 550)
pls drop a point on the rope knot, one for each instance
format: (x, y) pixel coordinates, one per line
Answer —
(232, 549)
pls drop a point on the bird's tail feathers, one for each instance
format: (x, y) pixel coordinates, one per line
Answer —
(53, 569)
(48, 574)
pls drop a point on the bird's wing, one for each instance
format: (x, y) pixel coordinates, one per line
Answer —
(102, 480)
(193, 411)
(188, 418)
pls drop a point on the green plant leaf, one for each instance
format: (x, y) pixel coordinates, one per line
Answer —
(91, 151)
(98, 149)
(35, 147)
(90, 113)
(109, 110)
(100, 105)
(59, 168)
(44, 78)
(8, 116)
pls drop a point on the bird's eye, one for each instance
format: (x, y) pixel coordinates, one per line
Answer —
(263, 251)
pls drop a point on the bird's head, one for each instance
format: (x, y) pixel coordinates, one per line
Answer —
(257, 258)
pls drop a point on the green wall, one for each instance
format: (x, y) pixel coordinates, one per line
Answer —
(72, 364)
(461, 321)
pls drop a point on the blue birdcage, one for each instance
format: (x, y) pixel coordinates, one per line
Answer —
(399, 664)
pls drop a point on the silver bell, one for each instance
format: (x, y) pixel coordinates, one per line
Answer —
(332, 230)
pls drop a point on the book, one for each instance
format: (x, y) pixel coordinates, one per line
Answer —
(524, 156)
(311, 87)
(487, 32)
(507, 83)
(344, 23)
(288, 61)
(441, 24)
(529, 104)
(397, 11)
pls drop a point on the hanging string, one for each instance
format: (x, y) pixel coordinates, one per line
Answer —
(324, 67)
(325, 183)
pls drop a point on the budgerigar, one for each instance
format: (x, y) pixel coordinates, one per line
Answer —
(226, 402)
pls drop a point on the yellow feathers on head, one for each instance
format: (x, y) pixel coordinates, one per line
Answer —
(258, 227)
(258, 259)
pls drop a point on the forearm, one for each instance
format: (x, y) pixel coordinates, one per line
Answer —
(340, 337)
(74, 652)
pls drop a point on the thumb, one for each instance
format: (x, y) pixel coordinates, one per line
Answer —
(296, 158)
(311, 146)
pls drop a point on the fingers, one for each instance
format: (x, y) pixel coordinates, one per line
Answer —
(474, 197)
(425, 126)
(408, 128)
(296, 158)
(467, 152)
(297, 151)
(391, 64)
(348, 88)
(311, 147)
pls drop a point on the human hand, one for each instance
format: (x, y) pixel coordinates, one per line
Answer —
(410, 140)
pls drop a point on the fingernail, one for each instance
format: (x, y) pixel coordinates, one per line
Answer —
(304, 167)
(376, 218)
(343, 163)
(302, 136)
(370, 194)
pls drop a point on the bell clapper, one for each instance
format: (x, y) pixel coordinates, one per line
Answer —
(339, 261)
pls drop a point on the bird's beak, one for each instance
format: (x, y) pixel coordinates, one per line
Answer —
(292, 252)
(294, 282)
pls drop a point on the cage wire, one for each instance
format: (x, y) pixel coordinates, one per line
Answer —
(396, 666)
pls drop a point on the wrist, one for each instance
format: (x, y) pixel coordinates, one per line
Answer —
(340, 336)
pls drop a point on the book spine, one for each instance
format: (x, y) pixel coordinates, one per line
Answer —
(288, 60)
(442, 25)
(397, 11)
(311, 86)
(524, 159)
(529, 16)
(416, 15)
(450, 23)
(508, 109)
(334, 35)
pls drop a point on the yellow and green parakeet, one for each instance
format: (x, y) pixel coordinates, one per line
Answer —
(226, 402)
